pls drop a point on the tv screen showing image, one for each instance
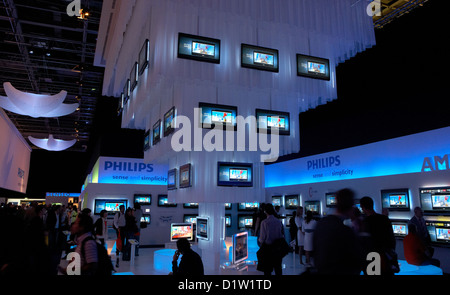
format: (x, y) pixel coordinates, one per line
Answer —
(202, 228)
(163, 201)
(268, 121)
(443, 234)
(146, 140)
(157, 132)
(330, 200)
(240, 247)
(245, 221)
(213, 115)
(198, 48)
(400, 229)
(203, 49)
(313, 206)
(234, 174)
(227, 206)
(185, 176)
(134, 76)
(143, 199)
(248, 206)
(291, 202)
(276, 201)
(221, 117)
(110, 205)
(172, 179)
(259, 58)
(181, 230)
(190, 205)
(435, 200)
(395, 199)
(263, 58)
(144, 56)
(190, 218)
(228, 220)
(169, 122)
(145, 218)
(313, 67)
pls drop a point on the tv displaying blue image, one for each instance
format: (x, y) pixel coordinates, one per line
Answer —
(169, 122)
(268, 121)
(213, 115)
(263, 58)
(110, 205)
(276, 122)
(313, 67)
(234, 174)
(316, 68)
(172, 179)
(259, 58)
(198, 48)
(221, 117)
(435, 200)
(395, 200)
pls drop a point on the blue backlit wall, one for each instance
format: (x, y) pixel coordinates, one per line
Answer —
(419, 153)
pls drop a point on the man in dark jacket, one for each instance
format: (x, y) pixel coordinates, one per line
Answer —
(191, 263)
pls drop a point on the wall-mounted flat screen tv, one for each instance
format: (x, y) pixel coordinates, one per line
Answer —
(276, 201)
(269, 121)
(198, 48)
(313, 67)
(313, 206)
(144, 56)
(185, 175)
(110, 205)
(291, 201)
(143, 199)
(156, 132)
(248, 206)
(127, 91)
(399, 228)
(439, 232)
(245, 221)
(234, 174)
(172, 179)
(169, 121)
(190, 205)
(190, 218)
(146, 140)
(395, 200)
(435, 200)
(259, 58)
(163, 201)
(330, 200)
(181, 230)
(134, 76)
(213, 115)
(202, 231)
(228, 220)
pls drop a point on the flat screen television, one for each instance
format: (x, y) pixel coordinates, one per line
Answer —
(213, 115)
(185, 176)
(276, 201)
(181, 230)
(146, 140)
(291, 201)
(145, 218)
(330, 199)
(172, 179)
(248, 206)
(169, 122)
(395, 200)
(234, 174)
(127, 91)
(156, 132)
(144, 56)
(110, 205)
(400, 229)
(120, 105)
(198, 48)
(202, 231)
(190, 205)
(190, 218)
(313, 206)
(163, 201)
(245, 221)
(228, 206)
(439, 232)
(313, 67)
(259, 58)
(240, 247)
(143, 199)
(269, 121)
(134, 76)
(435, 200)
(228, 220)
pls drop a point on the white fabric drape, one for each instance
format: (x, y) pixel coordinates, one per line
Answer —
(332, 29)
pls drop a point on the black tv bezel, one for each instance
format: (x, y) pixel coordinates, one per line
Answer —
(158, 138)
(143, 64)
(245, 215)
(190, 206)
(134, 74)
(147, 146)
(110, 213)
(204, 55)
(396, 191)
(434, 212)
(211, 125)
(197, 235)
(235, 183)
(174, 172)
(199, 39)
(185, 167)
(310, 58)
(277, 197)
(142, 204)
(264, 50)
(169, 205)
(169, 130)
(231, 220)
(314, 201)
(289, 196)
(268, 130)
(398, 222)
(327, 195)
(192, 216)
(248, 210)
(127, 91)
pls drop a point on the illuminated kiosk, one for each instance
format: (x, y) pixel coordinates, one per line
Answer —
(209, 67)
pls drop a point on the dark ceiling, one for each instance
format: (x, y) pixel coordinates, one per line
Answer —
(44, 51)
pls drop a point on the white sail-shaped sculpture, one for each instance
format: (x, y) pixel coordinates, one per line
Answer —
(35, 105)
(52, 144)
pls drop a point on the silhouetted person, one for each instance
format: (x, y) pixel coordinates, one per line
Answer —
(336, 248)
(191, 263)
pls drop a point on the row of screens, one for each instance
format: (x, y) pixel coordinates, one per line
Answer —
(184, 177)
(213, 115)
(439, 231)
(254, 57)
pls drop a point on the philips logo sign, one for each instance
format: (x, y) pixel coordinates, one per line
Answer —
(128, 166)
(326, 162)
(436, 163)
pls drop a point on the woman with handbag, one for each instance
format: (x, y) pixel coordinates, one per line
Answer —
(271, 240)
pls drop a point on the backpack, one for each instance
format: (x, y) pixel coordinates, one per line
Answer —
(105, 266)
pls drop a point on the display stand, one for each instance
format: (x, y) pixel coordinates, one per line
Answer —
(133, 243)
